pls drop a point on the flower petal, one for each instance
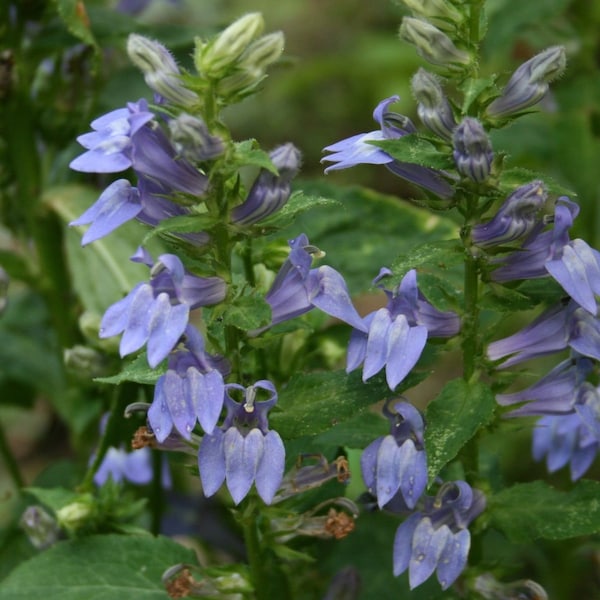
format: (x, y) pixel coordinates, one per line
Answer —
(271, 466)
(242, 455)
(211, 462)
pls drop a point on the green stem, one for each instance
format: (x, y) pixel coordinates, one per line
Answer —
(10, 461)
(470, 343)
(253, 550)
(474, 21)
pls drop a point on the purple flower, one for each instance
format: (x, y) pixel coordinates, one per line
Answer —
(397, 462)
(192, 390)
(109, 145)
(156, 313)
(554, 330)
(394, 337)
(514, 219)
(556, 393)
(243, 450)
(472, 153)
(436, 538)
(357, 150)
(529, 83)
(269, 192)
(135, 467)
(298, 288)
(562, 440)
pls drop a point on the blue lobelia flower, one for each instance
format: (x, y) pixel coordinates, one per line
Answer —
(394, 336)
(357, 150)
(436, 538)
(515, 219)
(297, 288)
(397, 463)
(472, 152)
(555, 393)
(562, 326)
(243, 450)
(269, 192)
(565, 439)
(192, 390)
(156, 313)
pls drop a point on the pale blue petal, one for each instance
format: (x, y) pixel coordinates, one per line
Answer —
(427, 547)
(138, 317)
(405, 345)
(165, 328)
(242, 455)
(377, 343)
(453, 559)
(159, 415)
(208, 392)
(211, 462)
(403, 543)
(389, 470)
(270, 468)
(179, 404)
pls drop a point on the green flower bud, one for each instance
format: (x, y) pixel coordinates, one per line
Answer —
(442, 12)
(160, 70)
(214, 58)
(240, 84)
(77, 514)
(264, 51)
(433, 45)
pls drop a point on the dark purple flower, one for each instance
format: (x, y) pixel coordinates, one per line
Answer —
(556, 393)
(156, 313)
(357, 150)
(298, 288)
(436, 538)
(269, 192)
(394, 337)
(243, 450)
(472, 153)
(397, 463)
(529, 83)
(515, 219)
(565, 439)
(192, 390)
(554, 330)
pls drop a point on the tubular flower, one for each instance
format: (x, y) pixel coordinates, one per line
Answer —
(436, 538)
(156, 313)
(433, 107)
(394, 336)
(557, 328)
(192, 390)
(565, 439)
(269, 192)
(515, 218)
(556, 393)
(472, 153)
(357, 150)
(243, 450)
(298, 288)
(396, 463)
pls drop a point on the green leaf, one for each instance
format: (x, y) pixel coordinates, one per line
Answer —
(528, 511)
(313, 403)
(414, 149)
(53, 498)
(247, 313)
(473, 88)
(296, 205)
(74, 16)
(194, 223)
(453, 418)
(100, 567)
(249, 153)
(137, 371)
(517, 176)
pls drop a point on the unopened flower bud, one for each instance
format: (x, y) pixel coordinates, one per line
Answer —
(442, 12)
(432, 44)
(472, 153)
(84, 362)
(269, 192)
(515, 218)
(160, 70)
(217, 56)
(241, 83)
(433, 108)
(192, 140)
(75, 515)
(489, 588)
(264, 51)
(39, 526)
(529, 83)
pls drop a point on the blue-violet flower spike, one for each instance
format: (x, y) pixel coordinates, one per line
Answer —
(472, 153)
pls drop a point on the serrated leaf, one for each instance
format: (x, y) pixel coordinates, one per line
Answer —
(75, 18)
(296, 205)
(472, 90)
(528, 511)
(137, 371)
(313, 403)
(517, 176)
(415, 150)
(99, 567)
(453, 418)
(195, 223)
(248, 153)
(247, 313)
(54, 498)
